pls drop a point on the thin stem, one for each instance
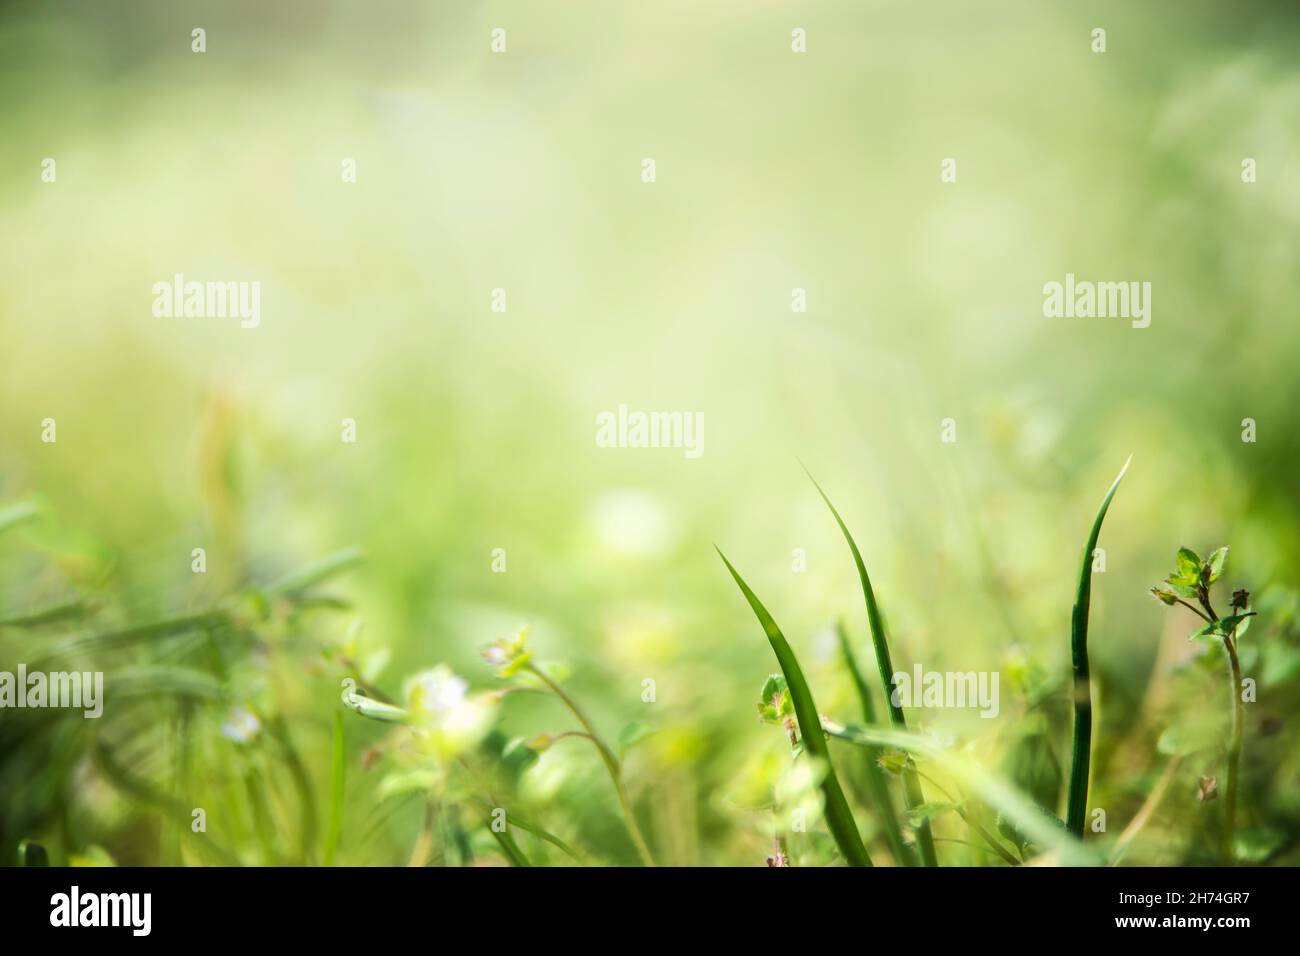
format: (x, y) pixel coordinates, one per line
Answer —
(1146, 811)
(1234, 753)
(1238, 719)
(974, 824)
(608, 757)
(1195, 610)
(424, 842)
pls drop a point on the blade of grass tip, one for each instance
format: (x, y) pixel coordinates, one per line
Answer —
(338, 783)
(876, 785)
(314, 573)
(838, 816)
(1082, 746)
(911, 782)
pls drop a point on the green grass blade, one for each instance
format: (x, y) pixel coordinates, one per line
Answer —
(838, 816)
(876, 786)
(314, 573)
(338, 783)
(911, 783)
(509, 847)
(1042, 828)
(1082, 747)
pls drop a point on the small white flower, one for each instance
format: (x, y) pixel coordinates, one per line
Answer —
(241, 726)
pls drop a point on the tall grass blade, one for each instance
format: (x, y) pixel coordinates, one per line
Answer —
(911, 782)
(1082, 747)
(838, 816)
(876, 785)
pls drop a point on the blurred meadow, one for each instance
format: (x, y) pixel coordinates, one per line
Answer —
(374, 560)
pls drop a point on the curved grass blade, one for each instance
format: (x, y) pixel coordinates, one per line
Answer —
(1039, 825)
(314, 573)
(838, 816)
(70, 610)
(911, 782)
(876, 785)
(508, 847)
(1081, 754)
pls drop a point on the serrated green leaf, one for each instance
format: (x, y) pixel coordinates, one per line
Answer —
(1224, 626)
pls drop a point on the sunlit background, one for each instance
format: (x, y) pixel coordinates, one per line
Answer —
(475, 429)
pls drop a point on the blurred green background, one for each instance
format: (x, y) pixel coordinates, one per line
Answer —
(475, 429)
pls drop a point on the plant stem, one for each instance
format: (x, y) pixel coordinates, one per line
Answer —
(1238, 718)
(608, 757)
(972, 823)
(1145, 812)
(1234, 753)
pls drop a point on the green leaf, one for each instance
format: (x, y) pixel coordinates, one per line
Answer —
(838, 816)
(1187, 567)
(911, 783)
(774, 703)
(1081, 747)
(1183, 590)
(1215, 563)
(1224, 626)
